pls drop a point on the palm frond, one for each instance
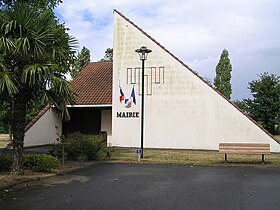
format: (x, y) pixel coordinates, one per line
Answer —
(60, 95)
(22, 45)
(73, 43)
(36, 73)
(7, 44)
(6, 81)
(40, 51)
(9, 26)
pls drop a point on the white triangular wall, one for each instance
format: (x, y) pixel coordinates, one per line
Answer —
(184, 112)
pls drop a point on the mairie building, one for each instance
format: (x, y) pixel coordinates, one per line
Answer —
(182, 111)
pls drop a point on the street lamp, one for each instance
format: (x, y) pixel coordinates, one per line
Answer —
(143, 53)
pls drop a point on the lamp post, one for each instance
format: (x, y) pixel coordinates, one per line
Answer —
(143, 53)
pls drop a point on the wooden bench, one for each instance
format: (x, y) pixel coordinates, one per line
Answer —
(245, 149)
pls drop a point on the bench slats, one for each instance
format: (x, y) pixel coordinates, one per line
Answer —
(245, 144)
(244, 148)
(245, 152)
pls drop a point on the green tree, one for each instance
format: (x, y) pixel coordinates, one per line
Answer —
(40, 4)
(223, 75)
(5, 113)
(265, 105)
(83, 58)
(35, 53)
(241, 105)
(108, 55)
(277, 129)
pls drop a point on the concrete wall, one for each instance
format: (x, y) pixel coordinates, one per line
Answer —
(49, 127)
(106, 125)
(183, 112)
(45, 131)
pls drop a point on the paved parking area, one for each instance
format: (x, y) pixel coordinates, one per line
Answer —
(145, 186)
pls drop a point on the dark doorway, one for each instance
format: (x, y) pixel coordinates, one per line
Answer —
(84, 120)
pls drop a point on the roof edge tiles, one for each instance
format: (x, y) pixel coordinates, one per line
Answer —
(89, 105)
(185, 65)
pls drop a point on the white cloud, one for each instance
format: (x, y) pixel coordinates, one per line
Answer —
(195, 30)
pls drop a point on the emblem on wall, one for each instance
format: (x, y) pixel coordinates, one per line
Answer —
(128, 102)
(154, 79)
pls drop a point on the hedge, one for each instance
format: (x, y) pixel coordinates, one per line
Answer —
(36, 162)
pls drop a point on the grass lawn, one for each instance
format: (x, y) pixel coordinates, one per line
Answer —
(4, 140)
(190, 157)
(277, 138)
(161, 156)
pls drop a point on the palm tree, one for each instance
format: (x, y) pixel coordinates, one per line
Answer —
(35, 54)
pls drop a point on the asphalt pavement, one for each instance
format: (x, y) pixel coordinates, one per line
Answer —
(145, 186)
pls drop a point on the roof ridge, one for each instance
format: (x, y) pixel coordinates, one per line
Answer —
(101, 62)
(195, 73)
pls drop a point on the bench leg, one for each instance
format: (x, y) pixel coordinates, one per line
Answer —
(225, 158)
(262, 158)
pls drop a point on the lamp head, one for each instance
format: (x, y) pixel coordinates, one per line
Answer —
(143, 52)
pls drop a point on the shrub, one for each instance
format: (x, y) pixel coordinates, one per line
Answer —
(40, 162)
(36, 162)
(6, 161)
(79, 146)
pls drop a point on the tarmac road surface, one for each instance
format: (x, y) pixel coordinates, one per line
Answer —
(145, 186)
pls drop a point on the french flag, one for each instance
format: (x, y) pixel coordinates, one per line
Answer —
(121, 95)
(133, 95)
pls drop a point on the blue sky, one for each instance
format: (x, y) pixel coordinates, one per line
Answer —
(196, 31)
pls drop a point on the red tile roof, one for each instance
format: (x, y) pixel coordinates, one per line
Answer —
(93, 85)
